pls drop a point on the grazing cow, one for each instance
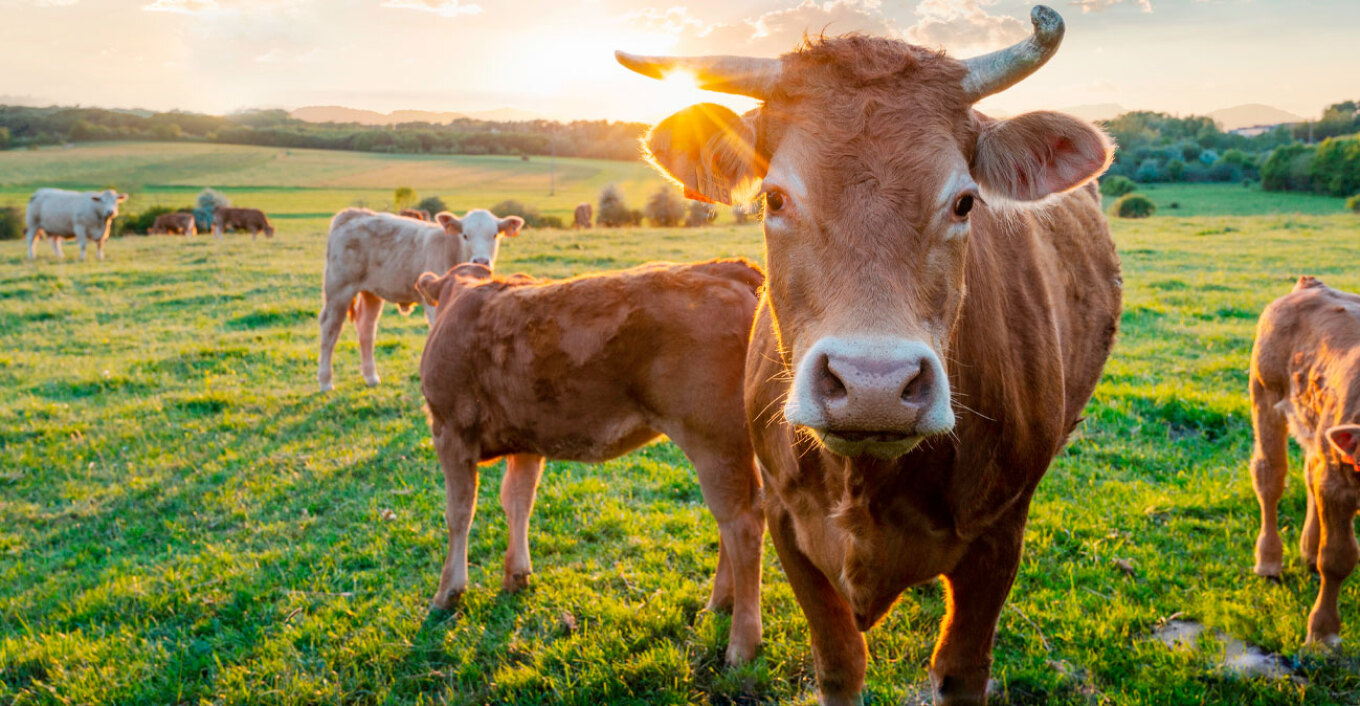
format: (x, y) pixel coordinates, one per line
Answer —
(584, 214)
(921, 353)
(374, 257)
(226, 218)
(420, 215)
(179, 223)
(83, 215)
(588, 369)
(1305, 382)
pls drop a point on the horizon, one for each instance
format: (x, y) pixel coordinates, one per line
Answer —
(228, 56)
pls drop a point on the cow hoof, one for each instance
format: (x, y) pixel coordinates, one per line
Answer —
(514, 583)
(372, 381)
(327, 386)
(1331, 642)
(447, 601)
(1271, 570)
(738, 655)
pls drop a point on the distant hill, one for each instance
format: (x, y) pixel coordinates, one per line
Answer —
(1253, 114)
(342, 114)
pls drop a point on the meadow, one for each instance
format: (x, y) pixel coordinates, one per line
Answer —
(185, 519)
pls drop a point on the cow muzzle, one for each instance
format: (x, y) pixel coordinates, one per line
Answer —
(870, 396)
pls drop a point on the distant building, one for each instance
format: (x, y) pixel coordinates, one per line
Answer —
(1254, 130)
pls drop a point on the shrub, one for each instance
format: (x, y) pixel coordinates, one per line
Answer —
(511, 207)
(700, 214)
(1175, 170)
(5, 138)
(1223, 170)
(11, 224)
(138, 223)
(665, 208)
(551, 222)
(1352, 205)
(404, 197)
(1117, 186)
(206, 205)
(1134, 206)
(433, 204)
(612, 211)
(1148, 172)
(1286, 167)
(1336, 167)
(634, 217)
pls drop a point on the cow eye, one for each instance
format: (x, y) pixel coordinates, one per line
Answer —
(963, 205)
(774, 201)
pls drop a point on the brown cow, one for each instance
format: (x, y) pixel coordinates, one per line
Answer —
(418, 214)
(226, 218)
(588, 369)
(1304, 371)
(179, 223)
(920, 354)
(583, 215)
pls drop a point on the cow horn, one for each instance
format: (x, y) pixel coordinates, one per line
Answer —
(1001, 69)
(743, 76)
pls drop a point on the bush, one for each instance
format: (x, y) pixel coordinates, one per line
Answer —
(511, 207)
(634, 217)
(612, 211)
(1225, 171)
(1148, 172)
(433, 204)
(11, 224)
(551, 222)
(206, 205)
(666, 209)
(404, 197)
(1336, 167)
(139, 223)
(1352, 205)
(1288, 168)
(1175, 170)
(5, 138)
(700, 214)
(1117, 186)
(1134, 206)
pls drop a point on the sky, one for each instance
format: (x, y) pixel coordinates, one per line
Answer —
(555, 58)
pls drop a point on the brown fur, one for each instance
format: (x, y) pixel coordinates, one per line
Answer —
(420, 215)
(588, 369)
(582, 216)
(1305, 381)
(179, 223)
(251, 219)
(1022, 309)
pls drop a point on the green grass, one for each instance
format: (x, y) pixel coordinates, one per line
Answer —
(183, 519)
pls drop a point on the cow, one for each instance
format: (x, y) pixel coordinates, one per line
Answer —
(179, 223)
(83, 215)
(375, 257)
(942, 295)
(583, 215)
(588, 369)
(418, 214)
(1305, 366)
(226, 218)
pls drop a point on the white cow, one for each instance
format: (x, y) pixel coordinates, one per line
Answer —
(376, 257)
(83, 215)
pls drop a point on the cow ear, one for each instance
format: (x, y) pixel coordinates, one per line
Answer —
(510, 225)
(709, 150)
(122, 198)
(428, 286)
(1033, 155)
(451, 224)
(1345, 438)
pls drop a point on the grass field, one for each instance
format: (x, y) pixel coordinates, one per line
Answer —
(184, 519)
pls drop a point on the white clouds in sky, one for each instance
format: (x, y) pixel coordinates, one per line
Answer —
(1098, 5)
(182, 6)
(444, 8)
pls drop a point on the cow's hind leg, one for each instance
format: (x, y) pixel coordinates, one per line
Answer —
(459, 461)
(1269, 466)
(31, 234)
(1313, 469)
(1337, 556)
(368, 308)
(333, 313)
(518, 488)
(56, 245)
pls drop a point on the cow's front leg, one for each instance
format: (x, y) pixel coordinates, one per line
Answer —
(459, 461)
(1337, 555)
(80, 241)
(838, 651)
(518, 487)
(99, 249)
(367, 311)
(977, 590)
(1269, 466)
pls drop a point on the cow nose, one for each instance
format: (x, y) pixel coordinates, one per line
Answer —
(481, 261)
(874, 394)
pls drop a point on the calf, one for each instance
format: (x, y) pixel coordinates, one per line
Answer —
(179, 223)
(251, 219)
(420, 214)
(58, 214)
(374, 257)
(1305, 377)
(589, 369)
(582, 216)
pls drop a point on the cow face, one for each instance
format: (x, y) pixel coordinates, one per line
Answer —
(874, 169)
(106, 203)
(478, 233)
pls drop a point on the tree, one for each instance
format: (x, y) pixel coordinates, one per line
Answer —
(613, 212)
(404, 197)
(5, 138)
(665, 208)
(206, 205)
(433, 204)
(700, 214)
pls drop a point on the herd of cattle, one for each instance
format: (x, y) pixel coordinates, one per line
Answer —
(884, 398)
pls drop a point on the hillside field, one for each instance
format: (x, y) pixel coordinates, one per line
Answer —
(185, 519)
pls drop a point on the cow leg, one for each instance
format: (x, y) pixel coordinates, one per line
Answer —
(727, 476)
(99, 249)
(518, 487)
(1269, 466)
(838, 651)
(460, 492)
(56, 245)
(366, 313)
(80, 240)
(1314, 468)
(1337, 557)
(333, 313)
(976, 592)
(31, 235)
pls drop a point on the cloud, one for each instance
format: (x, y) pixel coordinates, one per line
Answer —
(964, 27)
(1099, 5)
(55, 3)
(443, 8)
(770, 34)
(187, 7)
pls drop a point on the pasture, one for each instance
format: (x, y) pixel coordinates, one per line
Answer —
(184, 519)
